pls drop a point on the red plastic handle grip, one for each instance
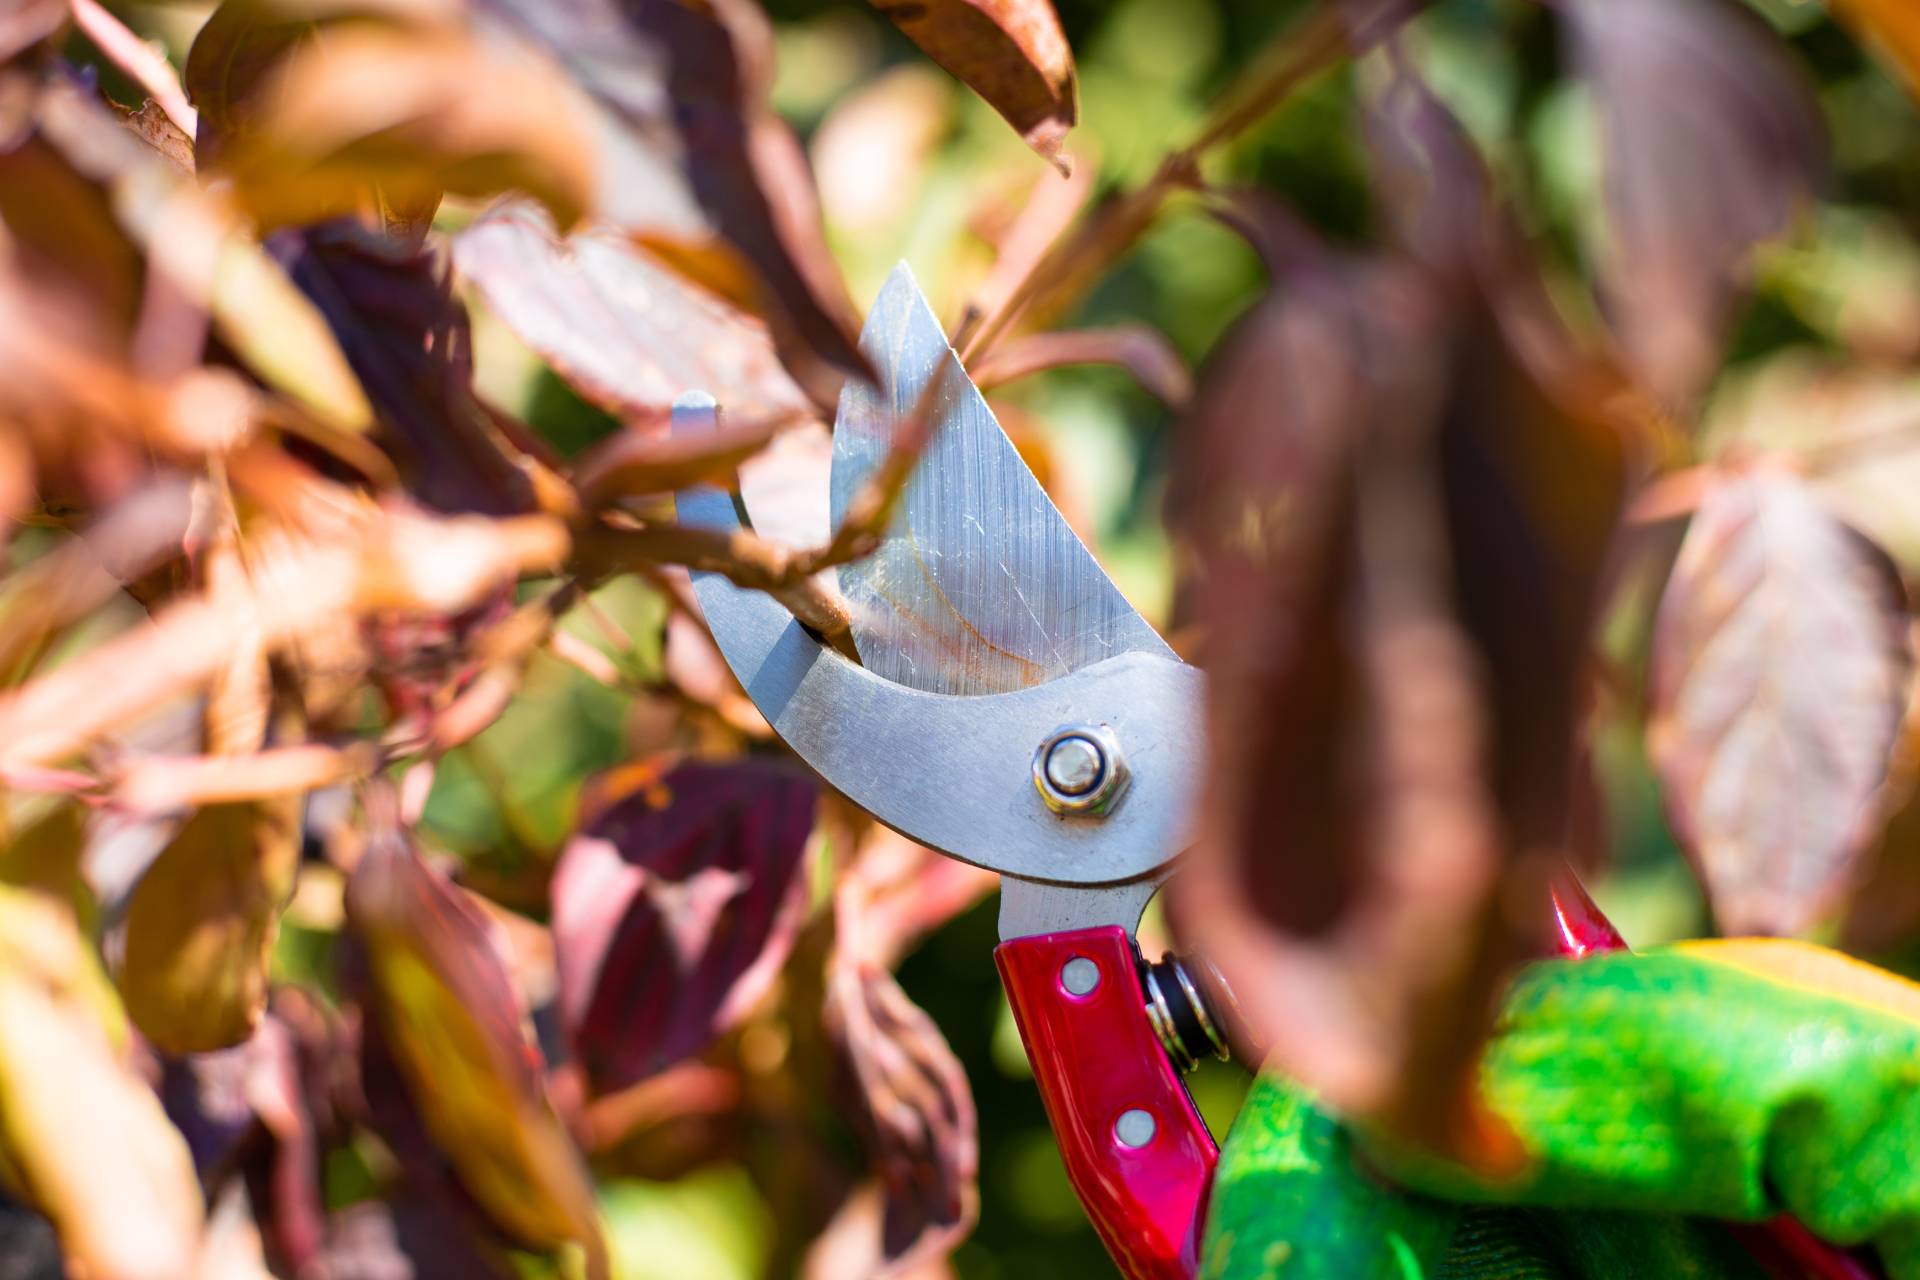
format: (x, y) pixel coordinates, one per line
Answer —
(1096, 1060)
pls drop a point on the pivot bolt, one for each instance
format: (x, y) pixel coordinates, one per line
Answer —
(1078, 769)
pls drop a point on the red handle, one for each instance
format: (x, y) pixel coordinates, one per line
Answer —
(1103, 1077)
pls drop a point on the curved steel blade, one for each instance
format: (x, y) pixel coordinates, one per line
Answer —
(953, 772)
(979, 586)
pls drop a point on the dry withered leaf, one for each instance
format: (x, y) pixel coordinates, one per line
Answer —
(674, 907)
(201, 922)
(1712, 143)
(627, 332)
(84, 1138)
(914, 1108)
(1777, 683)
(311, 120)
(154, 127)
(453, 1022)
(63, 237)
(1010, 52)
(698, 168)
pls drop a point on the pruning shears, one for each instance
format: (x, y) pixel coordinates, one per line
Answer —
(1012, 710)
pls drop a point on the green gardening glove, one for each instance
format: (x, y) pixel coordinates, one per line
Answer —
(1728, 1080)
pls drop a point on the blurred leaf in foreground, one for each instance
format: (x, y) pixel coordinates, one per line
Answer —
(1400, 526)
(453, 1021)
(201, 923)
(309, 120)
(82, 1136)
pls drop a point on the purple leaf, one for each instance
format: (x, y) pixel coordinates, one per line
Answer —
(674, 907)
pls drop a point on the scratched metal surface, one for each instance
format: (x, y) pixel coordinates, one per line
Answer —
(979, 587)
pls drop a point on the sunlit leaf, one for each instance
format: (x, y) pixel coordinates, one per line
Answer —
(696, 165)
(628, 333)
(83, 1137)
(1010, 52)
(201, 923)
(308, 122)
(673, 908)
(1778, 681)
(453, 1023)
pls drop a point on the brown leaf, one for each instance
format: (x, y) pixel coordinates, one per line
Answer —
(674, 907)
(1010, 52)
(698, 168)
(201, 923)
(1778, 681)
(626, 331)
(454, 1025)
(140, 62)
(1712, 142)
(1141, 351)
(914, 1109)
(1399, 540)
(308, 121)
(154, 127)
(84, 1139)
(64, 238)
(196, 258)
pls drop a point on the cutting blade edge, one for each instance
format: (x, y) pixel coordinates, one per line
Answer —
(979, 586)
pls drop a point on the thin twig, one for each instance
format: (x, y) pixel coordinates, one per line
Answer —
(1326, 34)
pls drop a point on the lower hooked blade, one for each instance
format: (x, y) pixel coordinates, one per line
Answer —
(979, 585)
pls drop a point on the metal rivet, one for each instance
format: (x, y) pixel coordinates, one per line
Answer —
(1079, 769)
(1134, 1128)
(1080, 975)
(1074, 765)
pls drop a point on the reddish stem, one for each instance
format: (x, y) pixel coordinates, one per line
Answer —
(1780, 1244)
